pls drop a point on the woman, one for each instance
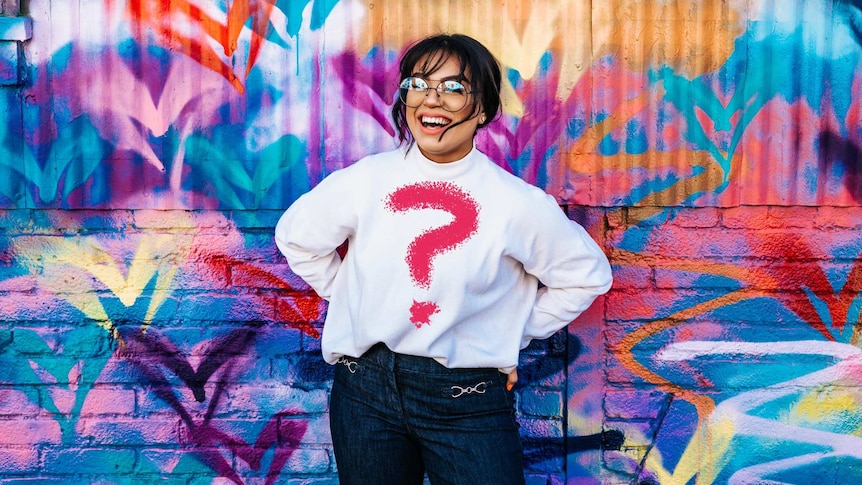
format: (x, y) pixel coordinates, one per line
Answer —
(439, 290)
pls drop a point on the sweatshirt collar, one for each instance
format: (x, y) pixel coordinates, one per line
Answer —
(442, 170)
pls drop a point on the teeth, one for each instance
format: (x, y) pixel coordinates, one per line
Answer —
(435, 120)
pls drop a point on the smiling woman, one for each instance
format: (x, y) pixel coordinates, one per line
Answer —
(439, 290)
(421, 116)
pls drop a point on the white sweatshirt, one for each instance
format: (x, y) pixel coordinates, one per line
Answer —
(443, 260)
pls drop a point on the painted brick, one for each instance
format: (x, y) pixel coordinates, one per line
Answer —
(624, 461)
(10, 219)
(106, 401)
(633, 404)
(533, 479)
(204, 277)
(693, 278)
(220, 249)
(159, 219)
(312, 481)
(151, 405)
(309, 460)
(647, 216)
(144, 478)
(700, 217)
(18, 459)
(35, 481)
(745, 217)
(541, 370)
(89, 221)
(265, 250)
(617, 374)
(617, 218)
(275, 276)
(306, 367)
(317, 431)
(279, 340)
(127, 432)
(212, 481)
(839, 217)
(8, 258)
(84, 342)
(29, 432)
(27, 308)
(121, 373)
(545, 428)
(15, 403)
(540, 403)
(548, 460)
(252, 400)
(15, 283)
(631, 277)
(792, 217)
(634, 432)
(312, 344)
(636, 305)
(89, 461)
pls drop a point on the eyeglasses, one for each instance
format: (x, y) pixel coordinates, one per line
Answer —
(452, 94)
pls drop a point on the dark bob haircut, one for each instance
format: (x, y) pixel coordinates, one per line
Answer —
(478, 67)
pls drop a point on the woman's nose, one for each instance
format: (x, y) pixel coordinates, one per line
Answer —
(436, 95)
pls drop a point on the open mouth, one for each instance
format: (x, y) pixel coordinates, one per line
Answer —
(434, 121)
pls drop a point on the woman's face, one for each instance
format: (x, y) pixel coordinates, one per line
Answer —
(429, 120)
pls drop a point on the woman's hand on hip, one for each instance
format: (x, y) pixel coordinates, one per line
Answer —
(511, 380)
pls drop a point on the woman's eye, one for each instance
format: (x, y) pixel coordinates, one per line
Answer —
(419, 84)
(454, 87)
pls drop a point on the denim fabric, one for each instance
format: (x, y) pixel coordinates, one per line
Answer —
(395, 417)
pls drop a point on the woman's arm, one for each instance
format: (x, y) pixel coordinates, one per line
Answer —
(311, 230)
(572, 267)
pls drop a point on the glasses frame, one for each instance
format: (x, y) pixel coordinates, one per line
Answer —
(404, 87)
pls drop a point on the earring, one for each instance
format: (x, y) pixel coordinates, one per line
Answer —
(482, 119)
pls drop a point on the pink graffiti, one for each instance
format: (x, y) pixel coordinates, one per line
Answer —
(433, 242)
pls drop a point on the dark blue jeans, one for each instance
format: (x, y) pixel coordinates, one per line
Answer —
(395, 417)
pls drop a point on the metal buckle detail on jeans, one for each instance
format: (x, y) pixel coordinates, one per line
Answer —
(458, 391)
(350, 364)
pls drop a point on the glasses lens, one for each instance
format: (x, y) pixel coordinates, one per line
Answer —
(412, 91)
(453, 95)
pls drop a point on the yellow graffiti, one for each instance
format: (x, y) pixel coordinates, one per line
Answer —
(518, 33)
(828, 405)
(691, 36)
(704, 457)
(79, 269)
(583, 157)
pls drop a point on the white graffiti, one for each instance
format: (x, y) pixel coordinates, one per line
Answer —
(845, 372)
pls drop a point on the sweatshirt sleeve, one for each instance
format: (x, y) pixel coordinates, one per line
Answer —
(311, 230)
(567, 261)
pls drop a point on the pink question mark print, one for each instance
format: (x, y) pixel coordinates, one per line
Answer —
(433, 242)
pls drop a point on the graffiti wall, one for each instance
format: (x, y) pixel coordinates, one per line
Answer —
(150, 331)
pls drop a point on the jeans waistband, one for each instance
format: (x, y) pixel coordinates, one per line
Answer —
(384, 357)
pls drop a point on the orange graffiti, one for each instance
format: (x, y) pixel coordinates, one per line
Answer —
(766, 280)
(583, 157)
(691, 36)
(185, 27)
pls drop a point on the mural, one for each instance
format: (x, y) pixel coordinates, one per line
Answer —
(149, 329)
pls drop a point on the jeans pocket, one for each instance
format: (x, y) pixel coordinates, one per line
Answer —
(476, 399)
(354, 379)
